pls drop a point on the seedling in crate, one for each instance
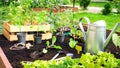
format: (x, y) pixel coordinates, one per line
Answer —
(45, 50)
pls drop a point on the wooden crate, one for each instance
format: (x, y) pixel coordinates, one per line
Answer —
(29, 37)
(26, 28)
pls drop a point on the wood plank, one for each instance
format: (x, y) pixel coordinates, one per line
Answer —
(26, 28)
(4, 63)
(29, 37)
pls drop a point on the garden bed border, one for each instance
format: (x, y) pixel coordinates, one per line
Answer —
(4, 63)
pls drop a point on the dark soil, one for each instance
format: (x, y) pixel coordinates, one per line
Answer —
(16, 56)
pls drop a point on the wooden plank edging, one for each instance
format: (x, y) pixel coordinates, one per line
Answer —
(4, 63)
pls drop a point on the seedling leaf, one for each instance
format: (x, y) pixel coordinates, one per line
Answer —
(45, 50)
(53, 40)
(72, 43)
(116, 39)
(78, 48)
(58, 47)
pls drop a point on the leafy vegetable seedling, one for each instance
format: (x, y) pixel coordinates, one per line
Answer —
(72, 43)
(78, 48)
(52, 45)
(116, 39)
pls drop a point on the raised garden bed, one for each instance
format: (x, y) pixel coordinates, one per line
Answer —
(15, 57)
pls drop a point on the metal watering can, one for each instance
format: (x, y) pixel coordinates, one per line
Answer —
(95, 37)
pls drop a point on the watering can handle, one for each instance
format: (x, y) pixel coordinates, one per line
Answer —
(81, 26)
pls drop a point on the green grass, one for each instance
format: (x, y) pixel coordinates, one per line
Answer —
(93, 4)
(97, 4)
(110, 20)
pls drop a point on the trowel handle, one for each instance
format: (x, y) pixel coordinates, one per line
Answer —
(55, 56)
(81, 26)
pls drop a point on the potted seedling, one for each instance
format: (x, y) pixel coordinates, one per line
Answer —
(38, 38)
(54, 20)
(20, 35)
(40, 29)
(60, 36)
(64, 20)
(18, 21)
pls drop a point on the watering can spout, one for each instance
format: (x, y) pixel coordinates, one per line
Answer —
(110, 35)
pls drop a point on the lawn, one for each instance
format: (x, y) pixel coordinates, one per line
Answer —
(110, 19)
(93, 4)
(97, 4)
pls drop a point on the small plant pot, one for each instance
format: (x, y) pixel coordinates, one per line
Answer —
(38, 39)
(60, 38)
(21, 37)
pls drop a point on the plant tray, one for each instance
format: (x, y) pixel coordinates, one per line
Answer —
(29, 37)
(4, 63)
(26, 28)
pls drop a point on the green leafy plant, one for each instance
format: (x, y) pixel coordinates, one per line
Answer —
(67, 62)
(101, 60)
(72, 43)
(40, 17)
(52, 45)
(107, 9)
(76, 33)
(15, 15)
(117, 5)
(116, 40)
(84, 3)
(63, 22)
(64, 2)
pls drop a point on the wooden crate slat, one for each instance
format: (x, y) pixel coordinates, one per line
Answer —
(29, 37)
(26, 28)
(8, 36)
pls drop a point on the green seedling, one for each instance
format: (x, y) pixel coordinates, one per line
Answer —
(116, 40)
(78, 48)
(45, 50)
(72, 43)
